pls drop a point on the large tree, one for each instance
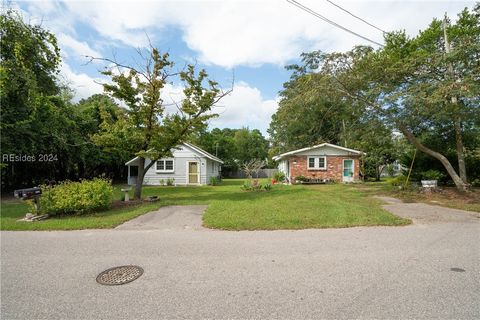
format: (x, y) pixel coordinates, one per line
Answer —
(417, 85)
(429, 82)
(145, 128)
(36, 120)
(220, 142)
(249, 144)
(313, 110)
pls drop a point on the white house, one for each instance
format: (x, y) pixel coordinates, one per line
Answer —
(190, 165)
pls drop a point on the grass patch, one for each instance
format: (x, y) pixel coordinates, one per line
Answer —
(299, 207)
(230, 208)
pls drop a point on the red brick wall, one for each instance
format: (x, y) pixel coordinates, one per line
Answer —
(334, 168)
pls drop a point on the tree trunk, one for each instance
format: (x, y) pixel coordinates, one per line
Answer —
(142, 170)
(141, 174)
(460, 150)
(462, 186)
(378, 173)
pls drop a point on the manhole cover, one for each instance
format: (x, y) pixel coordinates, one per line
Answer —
(457, 269)
(119, 275)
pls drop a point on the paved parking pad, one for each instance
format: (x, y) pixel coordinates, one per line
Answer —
(168, 218)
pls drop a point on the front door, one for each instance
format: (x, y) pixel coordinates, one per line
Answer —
(193, 173)
(347, 170)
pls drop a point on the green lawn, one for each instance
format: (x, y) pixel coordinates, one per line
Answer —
(230, 208)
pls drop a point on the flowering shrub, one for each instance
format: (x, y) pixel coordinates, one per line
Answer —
(76, 197)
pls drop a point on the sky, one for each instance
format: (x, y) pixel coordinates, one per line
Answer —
(246, 44)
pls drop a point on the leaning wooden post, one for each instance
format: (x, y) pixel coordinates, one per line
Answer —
(411, 166)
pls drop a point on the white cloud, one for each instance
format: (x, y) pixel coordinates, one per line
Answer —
(79, 49)
(83, 85)
(244, 107)
(231, 33)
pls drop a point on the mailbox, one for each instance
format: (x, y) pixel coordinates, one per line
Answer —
(26, 194)
(30, 194)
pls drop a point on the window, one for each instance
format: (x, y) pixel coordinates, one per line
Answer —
(317, 163)
(321, 163)
(165, 165)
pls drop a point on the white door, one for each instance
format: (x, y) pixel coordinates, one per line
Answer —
(347, 170)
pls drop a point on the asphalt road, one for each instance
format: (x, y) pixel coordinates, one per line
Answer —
(195, 273)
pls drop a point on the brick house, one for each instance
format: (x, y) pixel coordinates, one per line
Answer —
(323, 162)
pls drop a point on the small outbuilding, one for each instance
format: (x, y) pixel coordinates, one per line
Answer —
(321, 163)
(189, 165)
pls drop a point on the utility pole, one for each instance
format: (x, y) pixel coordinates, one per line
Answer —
(344, 133)
(216, 149)
(457, 123)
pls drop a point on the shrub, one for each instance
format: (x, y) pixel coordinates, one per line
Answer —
(432, 175)
(475, 183)
(170, 181)
(214, 181)
(301, 179)
(398, 181)
(76, 197)
(162, 182)
(255, 185)
(390, 170)
(279, 176)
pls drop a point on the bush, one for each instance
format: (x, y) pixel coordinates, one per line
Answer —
(279, 176)
(432, 175)
(170, 181)
(255, 185)
(398, 181)
(390, 170)
(475, 183)
(301, 178)
(76, 197)
(214, 181)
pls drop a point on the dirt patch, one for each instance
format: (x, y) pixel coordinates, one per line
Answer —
(445, 196)
(117, 204)
(451, 197)
(426, 213)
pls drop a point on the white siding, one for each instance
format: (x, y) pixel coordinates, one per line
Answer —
(213, 169)
(181, 156)
(282, 166)
(325, 150)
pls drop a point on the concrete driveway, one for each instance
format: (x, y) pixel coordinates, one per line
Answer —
(168, 218)
(376, 272)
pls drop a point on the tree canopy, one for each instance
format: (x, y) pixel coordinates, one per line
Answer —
(426, 87)
(145, 128)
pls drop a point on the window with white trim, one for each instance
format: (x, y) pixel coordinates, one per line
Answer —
(317, 163)
(165, 165)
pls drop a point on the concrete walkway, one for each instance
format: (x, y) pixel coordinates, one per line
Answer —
(422, 213)
(168, 218)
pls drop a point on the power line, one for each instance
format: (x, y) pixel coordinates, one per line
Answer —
(336, 5)
(318, 15)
